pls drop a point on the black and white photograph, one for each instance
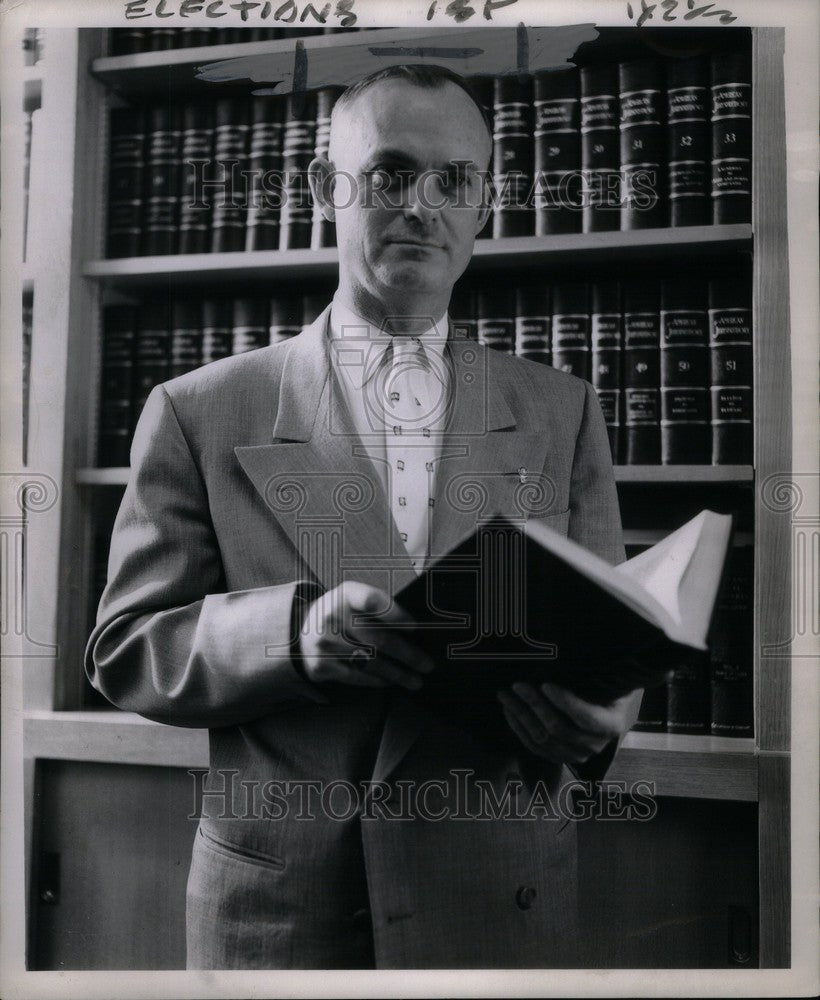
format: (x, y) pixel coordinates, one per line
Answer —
(409, 498)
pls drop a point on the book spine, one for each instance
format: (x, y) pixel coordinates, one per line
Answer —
(162, 182)
(652, 713)
(571, 328)
(265, 163)
(323, 231)
(151, 352)
(600, 157)
(641, 375)
(533, 323)
(299, 143)
(250, 324)
(496, 320)
(731, 671)
(688, 697)
(730, 348)
(161, 39)
(463, 313)
(685, 434)
(557, 135)
(512, 157)
(642, 101)
(126, 41)
(285, 319)
(688, 141)
(193, 38)
(186, 335)
(731, 138)
(229, 213)
(217, 328)
(607, 343)
(194, 209)
(116, 385)
(126, 169)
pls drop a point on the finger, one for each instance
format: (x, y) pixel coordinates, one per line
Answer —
(584, 716)
(398, 648)
(543, 727)
(364, 600)
(546, 750)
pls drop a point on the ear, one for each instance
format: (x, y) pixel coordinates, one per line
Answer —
(320, 179)
(485, 208)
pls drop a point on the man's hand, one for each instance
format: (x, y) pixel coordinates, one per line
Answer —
(336, 648)
(557, 725)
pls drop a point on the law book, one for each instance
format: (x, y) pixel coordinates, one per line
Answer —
(298, 144)
(250, 323)
(600, 149)
(688, 704)
(192, 38)
(119, 335)
(731, 138)
(688, 136)
(126, 173)
(557, 140)
(285, 317)
(229, 205)
(195, 207)
(462, 312)
(730, 357)
(162, 181)
(323, 231)
(127, 41)
(642, 144)
(571, 340)
(152, 354)
(495, 314)
(533, 322)
(641, 373)
(652, 713)
(512, 156)
(217, 328)
(684, 356)
(606, 320)
(161, 39)
(186, 334)
(265, 178)
(511, 601)
(731, 654)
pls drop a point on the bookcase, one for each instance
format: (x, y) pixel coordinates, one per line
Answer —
(70, 282)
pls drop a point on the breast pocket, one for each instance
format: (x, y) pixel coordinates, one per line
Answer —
(558, 521)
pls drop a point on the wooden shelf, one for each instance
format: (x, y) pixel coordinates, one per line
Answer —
(687, 766)
(512, 252)
(623, 474)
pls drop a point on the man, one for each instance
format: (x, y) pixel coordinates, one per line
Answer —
(277, 495)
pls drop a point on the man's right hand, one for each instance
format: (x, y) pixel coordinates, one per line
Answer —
(335, 648)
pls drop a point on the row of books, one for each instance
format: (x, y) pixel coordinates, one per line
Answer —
(713, 693)
(128, 41)
(671, 359)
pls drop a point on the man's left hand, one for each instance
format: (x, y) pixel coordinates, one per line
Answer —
(557, 725)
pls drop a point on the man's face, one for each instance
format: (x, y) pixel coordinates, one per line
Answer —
(414, 155)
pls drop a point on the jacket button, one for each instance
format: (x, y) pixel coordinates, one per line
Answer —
(525, 897)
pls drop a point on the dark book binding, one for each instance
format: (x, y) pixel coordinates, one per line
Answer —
(119, 323)
(298, 144)
(687, 696)
(186, 335)
(512, 157)
(162, 181)
(217, 328)
(600, 149)
(731, 138)
(557, 135)
(571, 328)
(265, 189)
(685, 435)
(126, 171)
(606, 320)
(126, 41)
(229, 211)
(533, 322)
(152, 350)
(652, 713)
(731, 668)
(250, 323)
(462, 312)
(641, 368)
(730, 355)
(285, 317)
(689, 151)
(496, 319)
(643, 153)
(194, 207)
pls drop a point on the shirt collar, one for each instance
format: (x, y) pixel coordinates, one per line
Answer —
(357, 346)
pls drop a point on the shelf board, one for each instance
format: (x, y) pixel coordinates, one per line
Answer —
(689, 766)
(511, 252)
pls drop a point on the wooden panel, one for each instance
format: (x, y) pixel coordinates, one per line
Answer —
(775, 862)
(663, 893)
(121, 839)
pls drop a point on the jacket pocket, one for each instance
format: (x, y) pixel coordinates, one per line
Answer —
(239, 853)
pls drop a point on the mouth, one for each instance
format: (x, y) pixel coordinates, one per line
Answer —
(422, 244)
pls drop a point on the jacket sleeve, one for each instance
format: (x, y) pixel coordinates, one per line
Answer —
(169, 642)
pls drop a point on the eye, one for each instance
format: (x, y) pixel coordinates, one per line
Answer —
(388, 177)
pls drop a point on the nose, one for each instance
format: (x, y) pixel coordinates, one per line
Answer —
(421, 201)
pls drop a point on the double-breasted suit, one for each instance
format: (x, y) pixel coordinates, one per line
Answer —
(248, 493)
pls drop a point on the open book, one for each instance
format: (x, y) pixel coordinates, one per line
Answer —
(521, 602)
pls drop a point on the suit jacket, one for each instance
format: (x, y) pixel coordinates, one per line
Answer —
(248, 491)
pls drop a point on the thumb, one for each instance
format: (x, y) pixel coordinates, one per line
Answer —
(362, 597)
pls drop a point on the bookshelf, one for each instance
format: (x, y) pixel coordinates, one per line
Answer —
(58, 727)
